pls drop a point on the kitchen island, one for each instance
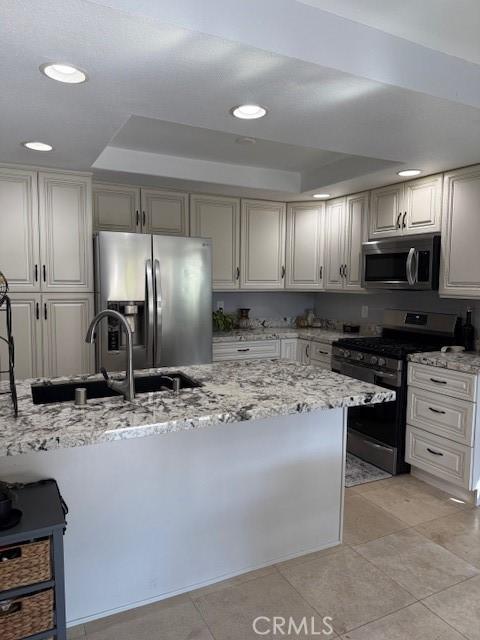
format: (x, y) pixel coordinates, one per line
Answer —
(248, 471)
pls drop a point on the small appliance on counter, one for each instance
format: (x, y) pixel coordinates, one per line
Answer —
(376, 433)
(351, 328)
(244, 319)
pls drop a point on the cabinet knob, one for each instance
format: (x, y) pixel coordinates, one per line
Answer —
(320, 273)
(403, 221)
(283, 272)
(238, 273)
(398, 220)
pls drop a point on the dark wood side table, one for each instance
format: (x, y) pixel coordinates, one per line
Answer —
(43, 519)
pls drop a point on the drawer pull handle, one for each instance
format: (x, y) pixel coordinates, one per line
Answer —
(242, 350)
(437, 410)
(10, 554)
(438, 381)
(7, 607)
(433, 452)
(325, 353)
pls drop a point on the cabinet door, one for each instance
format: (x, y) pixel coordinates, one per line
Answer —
(65, 320)
(164, 212)
(356, 212)
(289, 349)
(66, 245)
(19, 244)
(219, 219)
(304, 246)
(116, 208)
(334, 243)
(26, 329)
(262, 245)
(386, 211)
(303, 351)
(460, 265)
(423, 204)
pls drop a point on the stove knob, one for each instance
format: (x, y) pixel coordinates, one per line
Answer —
(346, 353)
(382, 362)
(373, 360)
(359, 356)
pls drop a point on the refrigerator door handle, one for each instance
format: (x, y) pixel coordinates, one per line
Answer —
(158, 312)
(150, 316)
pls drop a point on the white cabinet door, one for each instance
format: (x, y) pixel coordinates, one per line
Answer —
(423, 205)
(26, 330)
(65, 320)
(116, 207)
(386, 211)
(334, 243)
(66, 245)
(262, 245)
(356, 213)
(19, 244)
(164, 212)
(460, 265)
(303, 351)
(304, 246)
(288, 349)
(219, 219)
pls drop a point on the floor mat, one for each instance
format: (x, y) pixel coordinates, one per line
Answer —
(358, 471)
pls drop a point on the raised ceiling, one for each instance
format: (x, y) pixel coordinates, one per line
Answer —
(349, 105)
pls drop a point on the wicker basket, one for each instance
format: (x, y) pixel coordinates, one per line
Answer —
(26, 616)
(25, 564)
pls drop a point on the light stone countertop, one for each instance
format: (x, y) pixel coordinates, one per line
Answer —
(312, 333)
(230, 392)
(463, 361)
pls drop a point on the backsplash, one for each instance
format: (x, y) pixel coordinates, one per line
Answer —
(271, 309)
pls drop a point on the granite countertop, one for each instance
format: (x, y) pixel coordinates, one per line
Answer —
(466, 362)
(230, 392)
(311, 333)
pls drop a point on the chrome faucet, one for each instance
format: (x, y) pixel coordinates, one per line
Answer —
(127, 385)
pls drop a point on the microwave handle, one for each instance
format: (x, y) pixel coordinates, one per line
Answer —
(412, 267)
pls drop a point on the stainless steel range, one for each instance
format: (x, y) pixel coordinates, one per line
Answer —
(376, 433)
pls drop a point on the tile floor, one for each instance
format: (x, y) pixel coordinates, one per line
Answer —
(409, 569)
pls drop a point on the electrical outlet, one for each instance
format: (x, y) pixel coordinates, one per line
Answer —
(364, 311)
(220, 306)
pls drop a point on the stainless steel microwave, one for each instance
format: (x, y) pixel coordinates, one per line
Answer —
(401, 263)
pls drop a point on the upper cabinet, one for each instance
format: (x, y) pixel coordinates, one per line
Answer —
(263, 245)
(19, 241)
(218, 218)
(305, 238)
(460, 264)
(164, 212)
(345, 224)
(132, 209)
(116, 208)
(406, 208)
(65, 209)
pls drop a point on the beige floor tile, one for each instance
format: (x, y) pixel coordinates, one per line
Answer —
(411, 500)
(230, 613)
(348, 588)
(364, 521)
(412, 623)
(237, 580)
(311, 556)
(78, 631)
(459, 606)
(416, 563)
(172, 619)
(401, 480)
(459, 533)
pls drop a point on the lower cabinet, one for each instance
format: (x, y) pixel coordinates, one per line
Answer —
(288, 349)
(251, 350)
(49, 333)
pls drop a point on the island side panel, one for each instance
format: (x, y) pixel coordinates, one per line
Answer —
(151, 517)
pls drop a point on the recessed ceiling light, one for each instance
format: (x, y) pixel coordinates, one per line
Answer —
(37, 146)
(64, 73)
(409, 172)
(249, 111)
(321, 196)
(246, 140)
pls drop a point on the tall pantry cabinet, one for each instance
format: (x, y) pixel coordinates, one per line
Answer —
(46, 255)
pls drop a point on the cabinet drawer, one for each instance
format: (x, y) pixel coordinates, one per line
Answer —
(450, 383)
(320, 351)
(25, 564)
(440, 457)
(441, 415)
(322, 364)
(246, 350)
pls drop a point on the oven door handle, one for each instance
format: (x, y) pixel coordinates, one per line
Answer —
(379, 375)
(412, 271)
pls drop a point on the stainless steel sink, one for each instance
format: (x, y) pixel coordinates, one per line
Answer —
(49, 392)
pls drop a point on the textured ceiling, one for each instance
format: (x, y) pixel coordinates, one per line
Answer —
(166, 90)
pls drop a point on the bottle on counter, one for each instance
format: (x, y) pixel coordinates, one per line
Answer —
(468, 332)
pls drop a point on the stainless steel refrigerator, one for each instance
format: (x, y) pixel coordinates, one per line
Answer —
(163, 286)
